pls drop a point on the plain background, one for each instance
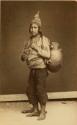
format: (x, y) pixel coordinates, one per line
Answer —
(59, 23)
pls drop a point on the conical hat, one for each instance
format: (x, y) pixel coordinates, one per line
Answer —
(37, 19)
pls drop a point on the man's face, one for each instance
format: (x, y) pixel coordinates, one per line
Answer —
(34, 29)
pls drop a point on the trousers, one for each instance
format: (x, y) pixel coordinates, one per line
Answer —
(36, 88)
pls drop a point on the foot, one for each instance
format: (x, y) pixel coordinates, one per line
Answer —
(28, 111)
(35, 113)
(42, 116)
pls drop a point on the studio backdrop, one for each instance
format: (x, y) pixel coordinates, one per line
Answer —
(59, 23)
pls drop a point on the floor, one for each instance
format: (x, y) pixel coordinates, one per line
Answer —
(58, 113)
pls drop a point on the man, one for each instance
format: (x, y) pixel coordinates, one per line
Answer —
(35, 52)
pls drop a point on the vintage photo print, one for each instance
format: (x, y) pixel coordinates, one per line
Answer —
(38, 62)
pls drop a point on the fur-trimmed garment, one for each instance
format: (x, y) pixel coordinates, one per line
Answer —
(35, 56)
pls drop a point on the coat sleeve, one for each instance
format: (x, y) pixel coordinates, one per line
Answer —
(44, 51)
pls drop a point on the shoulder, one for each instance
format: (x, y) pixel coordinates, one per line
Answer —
(46, 40)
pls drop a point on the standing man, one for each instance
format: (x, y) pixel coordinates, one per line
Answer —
(35, 52)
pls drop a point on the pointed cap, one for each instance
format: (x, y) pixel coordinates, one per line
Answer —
(37, 19)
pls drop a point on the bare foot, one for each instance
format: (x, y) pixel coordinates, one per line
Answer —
(42, 116)
(28, 111)
(35, 113)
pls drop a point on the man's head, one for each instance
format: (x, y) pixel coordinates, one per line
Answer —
(34, 29)
(35, 26)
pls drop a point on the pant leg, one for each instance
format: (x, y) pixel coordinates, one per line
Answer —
(31, 89)
(41, 76)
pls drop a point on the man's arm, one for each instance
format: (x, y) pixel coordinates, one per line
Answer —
(43, 51)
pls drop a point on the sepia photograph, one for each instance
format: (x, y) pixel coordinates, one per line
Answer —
(38, 62)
